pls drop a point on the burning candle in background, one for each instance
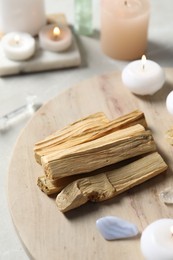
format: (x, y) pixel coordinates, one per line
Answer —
(157, 240)
(54, 38)
(143, 77)
(24, 16)
(56, 33)
(18, 46)
(124, 28)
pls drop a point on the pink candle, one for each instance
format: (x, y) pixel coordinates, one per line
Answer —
(124, 27)
(54, 38)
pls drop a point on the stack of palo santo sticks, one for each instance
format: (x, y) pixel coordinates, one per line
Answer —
(76, 160)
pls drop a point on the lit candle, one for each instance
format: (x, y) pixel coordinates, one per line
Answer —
(143, 77)
(24, 16)
(157, 240)
(18, 46)
(54, 38)
(169, 103)
(124, 28)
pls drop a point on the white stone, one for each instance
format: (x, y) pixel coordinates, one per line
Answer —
(113, 228)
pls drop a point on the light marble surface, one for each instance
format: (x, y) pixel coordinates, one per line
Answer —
(15, 89)
(42, 60)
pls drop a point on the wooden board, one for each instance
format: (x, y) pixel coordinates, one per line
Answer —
(49, 234)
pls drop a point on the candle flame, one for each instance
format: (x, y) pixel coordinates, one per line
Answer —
(56, 32)
(16, 39)
(144, 59)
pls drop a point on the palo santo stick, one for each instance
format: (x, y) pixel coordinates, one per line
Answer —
(109, 184)
(169, 136)
(59, 139)
(52, 187)
(85, 130)
(109, 149)
(47, 186)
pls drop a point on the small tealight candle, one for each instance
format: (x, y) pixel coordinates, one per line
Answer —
(157, 240)
(18, 46)
(169, 103)
(143, 77)
(54, 38)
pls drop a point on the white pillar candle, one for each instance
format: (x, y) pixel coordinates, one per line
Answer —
(124, 27)
(169, 103)
(143, 77)
(54, 38)
(22, 15)
(157, 240)
(18, 46)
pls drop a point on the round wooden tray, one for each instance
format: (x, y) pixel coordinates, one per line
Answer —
(49, 234)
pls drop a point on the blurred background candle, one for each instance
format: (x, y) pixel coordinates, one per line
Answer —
(55, 38)
(124, 28)
(18, 46)
(22, 15)
(169, 102)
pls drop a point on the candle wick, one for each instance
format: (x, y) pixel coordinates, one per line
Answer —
(56, 37)
(143, 62)
(17, 40)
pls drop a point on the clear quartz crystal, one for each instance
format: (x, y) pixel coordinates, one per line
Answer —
(83, 17)
(167, 195)
(17, 114)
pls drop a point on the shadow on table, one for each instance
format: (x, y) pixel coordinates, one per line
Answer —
(83, 52)
(160, 53)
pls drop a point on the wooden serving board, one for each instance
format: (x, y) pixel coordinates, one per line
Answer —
(49, 234)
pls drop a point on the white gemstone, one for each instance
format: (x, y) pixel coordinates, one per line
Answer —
(113, 228)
